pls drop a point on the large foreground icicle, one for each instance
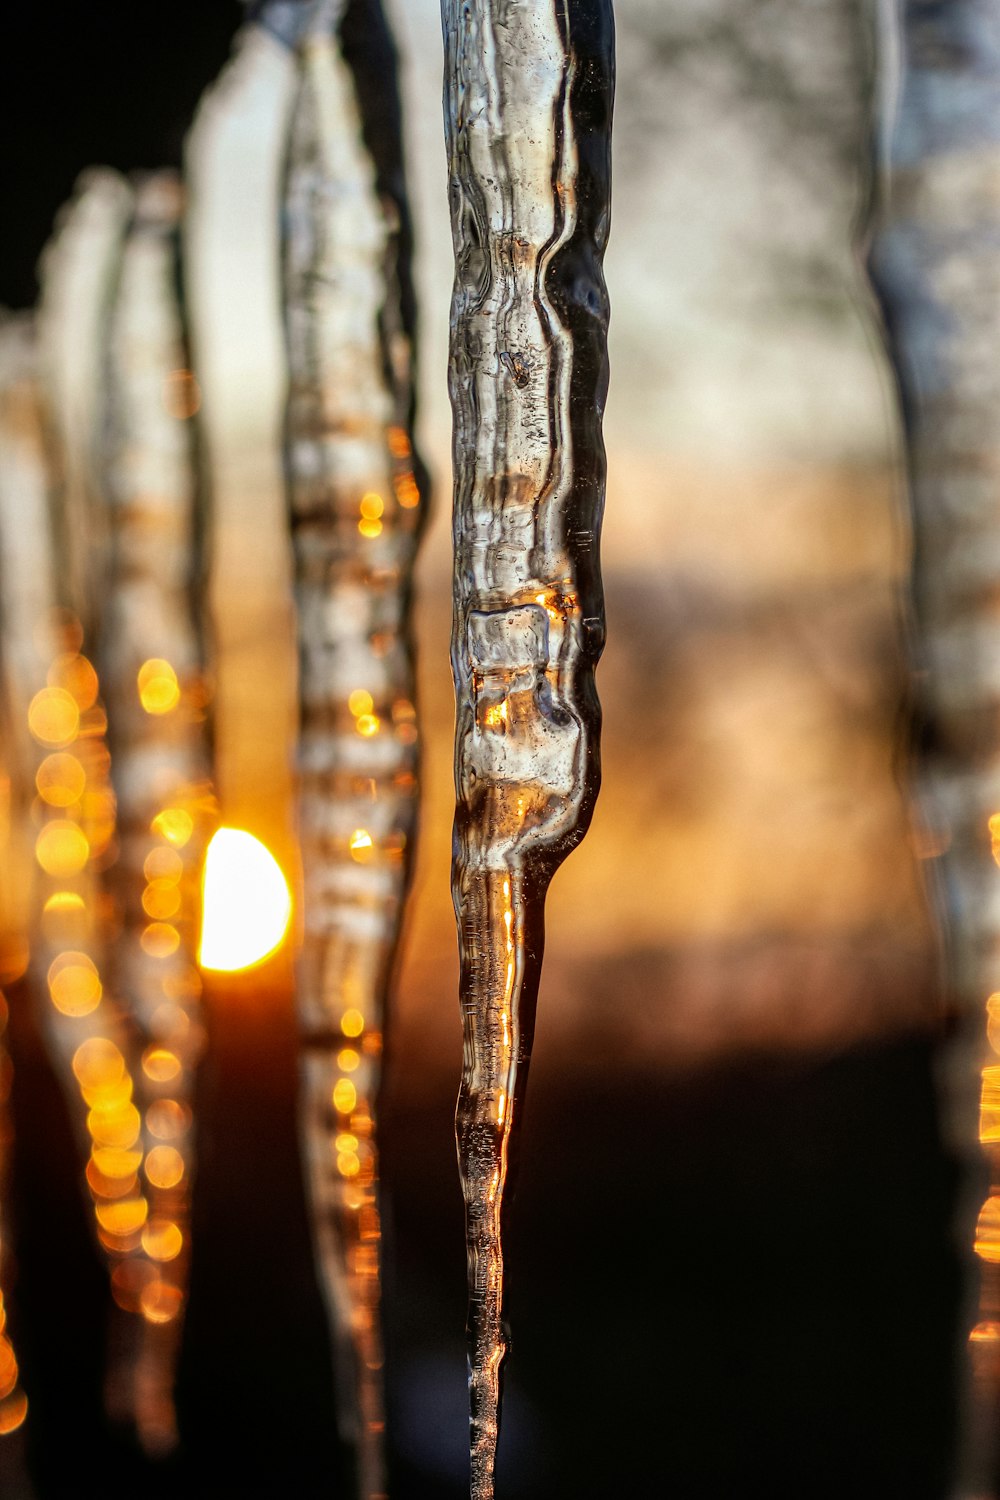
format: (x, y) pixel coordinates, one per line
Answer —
(152, 674)
(935, 265)
(528, 95)
(356, 510)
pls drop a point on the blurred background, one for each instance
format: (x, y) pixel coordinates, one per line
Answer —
(734, 1258)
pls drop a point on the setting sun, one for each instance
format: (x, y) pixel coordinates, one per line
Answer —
(247, 905)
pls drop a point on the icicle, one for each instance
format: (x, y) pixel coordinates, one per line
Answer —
(234, 159)
(355, 512)
(92, 1043)
(935, 266)
(528, 93)
(152, 674)
(25, 565)
(77, 273)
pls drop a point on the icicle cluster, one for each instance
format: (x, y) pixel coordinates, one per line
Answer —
(528, 94)
(356, 511)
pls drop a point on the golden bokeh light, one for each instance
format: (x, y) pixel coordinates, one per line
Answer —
(160, 940)
(164, 1166)
(361, 845)
(75, 674)
(159, 690)
(160, 1064)
(360, 702)
(246, 902)
(352, 1023)
(167, 1120)
(161, 899)
(74, 984)
(98, 1064)
(116, 1161)
(163, 863)
(123, 1216)
(372, 506)
(162, 1240)
(60, 779)
(987, 1243)
(345, 1096)
(115, 1125)
(62, 849)
(160, 1302)
(54, 717)
(175, 825)
(13, 1412)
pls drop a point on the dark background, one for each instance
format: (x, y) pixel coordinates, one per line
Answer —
(739, 1279)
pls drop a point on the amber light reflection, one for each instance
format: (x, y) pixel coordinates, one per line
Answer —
(246, 904)
(985, 1336)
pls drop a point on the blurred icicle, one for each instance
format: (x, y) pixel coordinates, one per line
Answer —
(76, 921)
(528, 95)
(935, 265)
(78, 273)
(234, 159)
(151, 669)
(25, 572)
(356, 493)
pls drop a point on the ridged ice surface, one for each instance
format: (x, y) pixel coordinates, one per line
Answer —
(528, 95)
(151, 669)
(356, 509)
(936, 268)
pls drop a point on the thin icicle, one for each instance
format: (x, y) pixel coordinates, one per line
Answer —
(355, 513)
(78, 272)
(151, 668)
(528, 94)
(23, 497)
(90, 1037)
(935, 265)
(234, 159)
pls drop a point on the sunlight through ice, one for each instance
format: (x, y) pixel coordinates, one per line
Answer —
(246, 903)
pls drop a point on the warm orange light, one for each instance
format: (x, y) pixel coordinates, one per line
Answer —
(160, 1064)
(62, 849)
(372, 506)
(54, 717)
(163, 863)
(162, 1240)
(13, 1412)
(175, 825)
(987, 1244)
(361, 845)
(370, 528)
(123, 1216)
(345, 1096)
(159, 690)
(74, 673)
(352, 1023)
(60, 779)
(98, 1063)
(74, 984)
(160, 1303)
(360, 702)
(167, 1119)
(164, 1166)
(246, 904)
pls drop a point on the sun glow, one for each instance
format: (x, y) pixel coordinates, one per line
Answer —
(246, 904)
